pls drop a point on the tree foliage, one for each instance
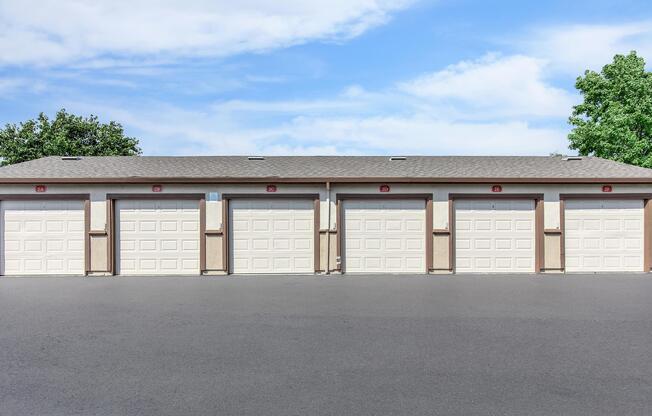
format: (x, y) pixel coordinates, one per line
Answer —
(66, 135)
(615, 119)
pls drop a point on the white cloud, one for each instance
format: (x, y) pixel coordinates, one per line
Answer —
(168, 130)
(284, 107)
(464, 109)
(46, 32)
(575, 48)
(9, 86)
(423, 134)
(494, 86)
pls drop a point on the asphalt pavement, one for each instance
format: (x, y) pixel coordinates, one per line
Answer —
(306, 345)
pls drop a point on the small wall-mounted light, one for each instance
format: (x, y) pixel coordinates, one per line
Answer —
(157, 188)
(271, 188)
(384, 188)
(40, 188)
(496, 188)
(607, 188)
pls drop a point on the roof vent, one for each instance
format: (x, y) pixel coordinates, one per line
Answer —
(571, 158)
(70, 157)
(256, 157)
(397, 158)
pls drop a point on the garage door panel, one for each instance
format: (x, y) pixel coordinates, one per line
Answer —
(147, 265)
(503, 244)
(33, 245)
(303, 225)
(483, 263)
(494, 236)
(631, 261)
(503, 262)
(524, 263)
(604, 235)
(463, 225)
(503, 225)
(591, 243)
(281, 225)
(633, 225)
(524, 225)
(146, 226)
(169, 245)
(169, 226)
(303, 243)
(373, 263)
(157, 237)
(260, 225)
(414, 244)
(632, 244)
(42, 237)
(272, 236)
(482, 225)
(372, 225)
(384, 236)
(413, 263)
(170, 264)
(616, 244)
(74, 245)
(482, 244)
(372, 244)
(261, 263)
(463, 243)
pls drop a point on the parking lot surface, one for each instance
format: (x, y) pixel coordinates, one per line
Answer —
(299, 345)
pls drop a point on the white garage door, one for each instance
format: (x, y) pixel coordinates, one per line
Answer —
(272, 236)
(42, 237)
(603, 235)
(494, 236)
(385, 236)
(157, 237)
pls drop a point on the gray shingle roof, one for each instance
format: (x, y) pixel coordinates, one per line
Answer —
(312, 168)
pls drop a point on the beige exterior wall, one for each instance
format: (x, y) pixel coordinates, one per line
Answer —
(440, 252)
(323, 251)
(328, 212)
(214, 258)
(99, 245)
(552, 252)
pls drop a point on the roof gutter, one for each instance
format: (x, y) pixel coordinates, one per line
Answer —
(217, 180)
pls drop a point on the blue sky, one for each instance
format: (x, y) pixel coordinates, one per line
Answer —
(315, 77)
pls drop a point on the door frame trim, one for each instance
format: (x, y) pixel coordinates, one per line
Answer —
(647, 221)
(226, 207)
(539, 254)
(111, 200)
(339, 226)
(85, 197)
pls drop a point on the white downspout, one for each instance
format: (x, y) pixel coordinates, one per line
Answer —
(328, 229)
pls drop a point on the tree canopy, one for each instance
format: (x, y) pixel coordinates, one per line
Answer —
(66, 135)
(615, 119)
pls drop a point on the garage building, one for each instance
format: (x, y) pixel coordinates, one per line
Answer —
(323, 214)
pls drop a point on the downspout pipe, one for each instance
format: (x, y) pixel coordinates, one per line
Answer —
(328, 229)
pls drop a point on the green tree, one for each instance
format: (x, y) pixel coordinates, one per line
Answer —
(615, 119)
(66, 135)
